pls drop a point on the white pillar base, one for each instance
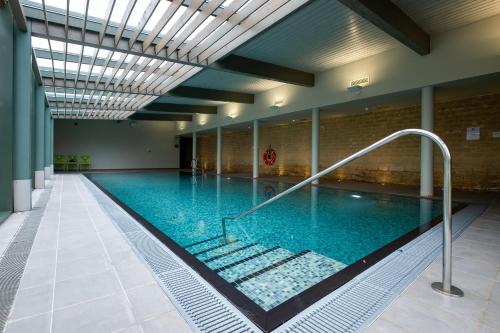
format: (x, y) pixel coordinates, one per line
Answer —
(47, 172)
(22, 195)
(51, 170)
(39, 179)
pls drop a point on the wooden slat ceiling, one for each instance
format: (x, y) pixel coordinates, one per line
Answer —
(106, 59)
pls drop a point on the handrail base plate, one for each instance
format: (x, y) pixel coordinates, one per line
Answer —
(454, 291)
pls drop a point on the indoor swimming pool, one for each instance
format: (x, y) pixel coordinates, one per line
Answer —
(290, 253)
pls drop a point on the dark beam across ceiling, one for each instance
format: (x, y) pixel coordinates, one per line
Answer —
(264, 70)
(212, 94)
(181, 108)
(161, 117)
(391, 19)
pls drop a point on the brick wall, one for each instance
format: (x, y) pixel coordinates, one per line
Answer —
(476, 164)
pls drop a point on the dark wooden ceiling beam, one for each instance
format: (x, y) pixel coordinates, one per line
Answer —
(391, 19)
(181, 108)
(212, 94)
(264, 70)
(161, 117)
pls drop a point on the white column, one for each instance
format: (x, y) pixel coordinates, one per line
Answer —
(52, 146)
(255, 148)
(22, 134)
(194, 146)
(426, 146)
(194, 161)
(315, 143)
(219, 150)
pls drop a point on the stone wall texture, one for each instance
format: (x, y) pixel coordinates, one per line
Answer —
(476, 164)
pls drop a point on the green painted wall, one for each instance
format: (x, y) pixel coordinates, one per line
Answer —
(6, 109)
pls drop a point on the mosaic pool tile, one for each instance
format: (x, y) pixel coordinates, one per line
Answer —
(221, 249)
(237, 256)
(283, 282)
(255, 265)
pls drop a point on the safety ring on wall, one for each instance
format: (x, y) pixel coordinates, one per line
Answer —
(269, 156)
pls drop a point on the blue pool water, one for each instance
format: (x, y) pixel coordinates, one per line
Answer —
(312, 233)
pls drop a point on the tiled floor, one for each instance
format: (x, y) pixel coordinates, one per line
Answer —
(82, 276)
(476, 268)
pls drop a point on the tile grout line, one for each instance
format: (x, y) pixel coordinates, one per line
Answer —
(61, 187)
(115, 273)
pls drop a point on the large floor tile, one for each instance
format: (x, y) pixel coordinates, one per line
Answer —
(148, 301)
(104, 315)
(170, 322)
(38, 324)
(32, 301)
(77, 268)
(492, 315)
(85, 288)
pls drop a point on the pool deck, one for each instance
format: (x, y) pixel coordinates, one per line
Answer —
(82, 276)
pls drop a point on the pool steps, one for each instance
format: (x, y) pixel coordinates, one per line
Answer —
(236, 263)
(269, 276)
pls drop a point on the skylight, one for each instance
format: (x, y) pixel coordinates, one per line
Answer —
(116, 72)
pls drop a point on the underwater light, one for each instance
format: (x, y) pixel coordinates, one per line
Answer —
(356, 196)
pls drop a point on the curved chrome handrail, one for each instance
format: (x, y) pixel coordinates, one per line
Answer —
(445, 286)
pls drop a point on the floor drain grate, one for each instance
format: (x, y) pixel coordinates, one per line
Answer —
(14, 258)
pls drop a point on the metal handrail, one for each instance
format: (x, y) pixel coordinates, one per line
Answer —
(445, 286)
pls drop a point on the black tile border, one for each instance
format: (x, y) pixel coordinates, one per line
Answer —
(225, 254)
(270, 320)
(236, 263)
(215, 247)
(270, 267)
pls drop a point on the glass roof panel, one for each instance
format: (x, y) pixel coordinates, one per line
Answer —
(57, 46)
(77, 6)
(187, 24)
(44, 63)
(97, 8)
(173, 20)
(40, 43)
(200, 28)
(119, 10)
(74, 48)
(138, 12)
(89, 51)
(157, 14)
(117, 55)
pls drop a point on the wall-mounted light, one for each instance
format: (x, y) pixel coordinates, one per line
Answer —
(355, 89)
(356, 86)
(276, 107)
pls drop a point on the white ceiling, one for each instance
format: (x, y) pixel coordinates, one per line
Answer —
(436, 16)
(215, 79)
(323, 35)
